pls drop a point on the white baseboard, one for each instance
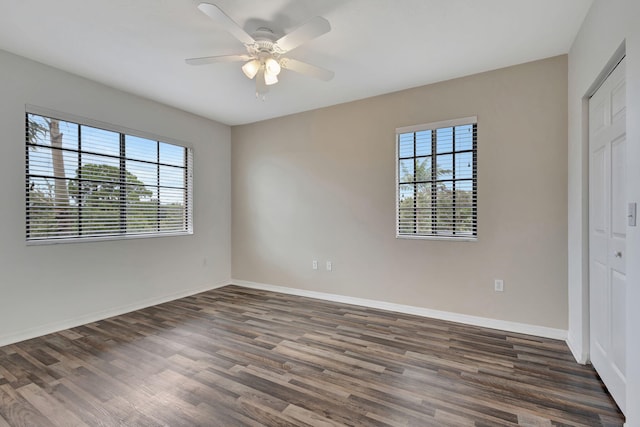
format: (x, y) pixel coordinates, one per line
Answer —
(503, 325)
(101, 315)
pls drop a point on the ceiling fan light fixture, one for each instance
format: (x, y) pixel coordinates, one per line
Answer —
(272, 66)
(270, 79)
(250, 69)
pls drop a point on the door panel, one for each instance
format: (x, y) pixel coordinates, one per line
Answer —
(618, 99)
(618, 189)
(600, 318)
(598, 193)
(618, 323)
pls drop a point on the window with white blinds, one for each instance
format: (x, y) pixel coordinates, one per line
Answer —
(86, 182)
(437, 180)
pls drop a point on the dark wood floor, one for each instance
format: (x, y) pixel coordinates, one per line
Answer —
(235, 357)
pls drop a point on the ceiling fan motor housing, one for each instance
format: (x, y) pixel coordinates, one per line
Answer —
(264, 43)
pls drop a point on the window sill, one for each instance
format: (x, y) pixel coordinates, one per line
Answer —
(104, 238)
(441, 238)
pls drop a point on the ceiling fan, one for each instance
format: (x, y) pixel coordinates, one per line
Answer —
(265, 54)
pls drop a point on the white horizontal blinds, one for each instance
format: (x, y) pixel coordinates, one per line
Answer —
(437, 180)
(189, 195)
(156, 186)
(85, 182)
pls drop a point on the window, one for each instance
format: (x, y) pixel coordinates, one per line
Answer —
(437, 180)
(86, 182)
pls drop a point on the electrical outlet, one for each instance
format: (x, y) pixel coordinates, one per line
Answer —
(499, 285)
(329, 266)
(315, 264)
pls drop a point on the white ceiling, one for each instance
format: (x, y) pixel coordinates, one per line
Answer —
(374, 47)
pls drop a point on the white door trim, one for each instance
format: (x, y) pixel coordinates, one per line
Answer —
(607, 232)
(578, 338)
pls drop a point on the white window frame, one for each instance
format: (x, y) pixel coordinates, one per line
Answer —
(83, 121)
(472, 120)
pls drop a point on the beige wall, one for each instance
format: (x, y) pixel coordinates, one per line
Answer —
(321, 185)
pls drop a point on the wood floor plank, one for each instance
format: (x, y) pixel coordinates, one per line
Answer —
(3, 422)
(18, 412)
(243, 357)
(49, 407)
(93, 413)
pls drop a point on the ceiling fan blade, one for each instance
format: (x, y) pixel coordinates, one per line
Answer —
(212, 59)
(222, 19)
(307, 31)
(306, 69)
